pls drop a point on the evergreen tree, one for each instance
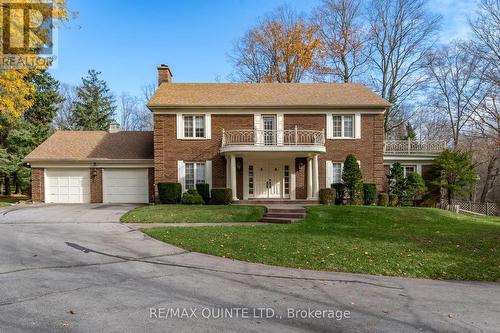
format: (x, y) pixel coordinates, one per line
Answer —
(414, 187)
(410, 132)
(396, 179)
(45, 99)
(352, 178)
(95, 106)
(454, 171)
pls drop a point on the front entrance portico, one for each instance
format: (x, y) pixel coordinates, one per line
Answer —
(271, 175)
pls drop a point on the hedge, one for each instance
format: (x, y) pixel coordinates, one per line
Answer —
(393, 200)
(383, 199)
(339, 193)
(192, 197)
(369, 193)
(221, 196)
(204, 190)
(169, 193)
(327, 196)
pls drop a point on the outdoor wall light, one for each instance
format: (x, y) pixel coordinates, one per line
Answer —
(93, 173)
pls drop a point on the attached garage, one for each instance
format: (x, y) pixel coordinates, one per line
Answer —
(125, 186)
(67, 186)
(93, 167)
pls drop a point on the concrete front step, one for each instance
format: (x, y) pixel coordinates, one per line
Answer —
(287, 215)
(294, 210)
(278, 220)
(275, 202)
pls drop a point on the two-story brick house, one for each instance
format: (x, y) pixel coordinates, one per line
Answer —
(264, 141)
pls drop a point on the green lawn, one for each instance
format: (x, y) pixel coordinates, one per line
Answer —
(193, 214)
(6, 201)
(410, 242)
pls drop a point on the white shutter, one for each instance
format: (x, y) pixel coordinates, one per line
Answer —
(208, 126)
(259, 139)
(357, 125)
(257, 121)
(208, 173)
(181, 174)
(329, 174)
(280, 124)
(180, 126)
(329, 126)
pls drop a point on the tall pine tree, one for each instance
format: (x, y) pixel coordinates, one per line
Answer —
(94, 107)
(45, 99)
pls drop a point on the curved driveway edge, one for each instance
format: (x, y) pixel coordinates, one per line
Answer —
(94, 276)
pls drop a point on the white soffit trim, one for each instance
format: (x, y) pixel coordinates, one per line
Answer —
(257, 110)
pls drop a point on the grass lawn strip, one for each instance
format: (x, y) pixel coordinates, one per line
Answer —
(194, 214)
(408, 242)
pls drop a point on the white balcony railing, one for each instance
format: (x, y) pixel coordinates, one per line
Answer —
(292, 137)
(412, 147)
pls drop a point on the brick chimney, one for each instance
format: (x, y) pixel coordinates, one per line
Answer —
(164, 74)
(114, 127)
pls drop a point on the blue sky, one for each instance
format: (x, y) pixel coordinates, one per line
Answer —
(126, 40)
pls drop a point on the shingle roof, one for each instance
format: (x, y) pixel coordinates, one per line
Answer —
(265, 95)
(94, 145)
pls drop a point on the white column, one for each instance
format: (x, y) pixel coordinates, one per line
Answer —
(228, 172)
(309, 178)
(233, 176)
(315, 177)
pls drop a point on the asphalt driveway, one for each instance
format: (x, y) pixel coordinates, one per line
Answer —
(74, 268)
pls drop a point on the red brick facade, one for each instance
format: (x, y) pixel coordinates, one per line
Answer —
(38, 185)
(96, 186)
(168, 149)
(96, 195)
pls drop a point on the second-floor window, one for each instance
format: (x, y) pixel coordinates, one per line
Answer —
(194, 126)
(343, 126)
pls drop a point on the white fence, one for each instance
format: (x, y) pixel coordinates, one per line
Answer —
(412, 147)
(469, 207)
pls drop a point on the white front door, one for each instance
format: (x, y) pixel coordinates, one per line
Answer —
(67, 185)
(125, 186)
(268, 179)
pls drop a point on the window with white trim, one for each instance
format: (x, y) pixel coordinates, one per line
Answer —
(194, 126)
(409, 169)
(343, 126)
(194, 174)
(337, 168)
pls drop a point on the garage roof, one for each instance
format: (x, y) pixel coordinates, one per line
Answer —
(94, 146)
(274, 95)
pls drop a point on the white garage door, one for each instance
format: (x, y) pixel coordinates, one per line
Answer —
(67, 185)
(125, 185)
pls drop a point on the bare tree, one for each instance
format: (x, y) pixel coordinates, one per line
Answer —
(401, 32)
(342, 38)
(486, 29)
(458, 86)
(283, 47)
(134, 115)
(64, 117)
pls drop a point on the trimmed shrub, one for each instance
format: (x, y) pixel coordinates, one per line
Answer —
(204, 190)
(327, 196)
(169, 193)
(393, 200)
(192, 197)
(383, 199)
(370, 193)
(339, 193)
(351, 177)
(221, 196)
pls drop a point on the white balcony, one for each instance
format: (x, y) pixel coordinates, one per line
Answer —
(273, 140)
(414, 148)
